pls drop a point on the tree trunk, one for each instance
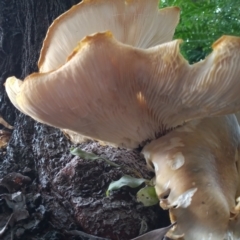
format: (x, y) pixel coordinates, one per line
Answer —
(64, 194)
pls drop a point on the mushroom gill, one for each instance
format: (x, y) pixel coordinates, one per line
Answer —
(137, 23)
(116, 93)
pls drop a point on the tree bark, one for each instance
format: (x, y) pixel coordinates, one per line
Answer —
(64, 194)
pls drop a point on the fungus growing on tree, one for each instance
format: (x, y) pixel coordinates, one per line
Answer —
(109, 71)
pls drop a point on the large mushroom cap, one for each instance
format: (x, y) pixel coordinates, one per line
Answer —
(114, 92)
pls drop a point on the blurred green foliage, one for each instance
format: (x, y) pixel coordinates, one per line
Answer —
(202, 22)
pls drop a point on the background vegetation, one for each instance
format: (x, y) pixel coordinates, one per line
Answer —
(203, 22)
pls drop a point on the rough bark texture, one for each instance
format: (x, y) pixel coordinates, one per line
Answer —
(64, 194)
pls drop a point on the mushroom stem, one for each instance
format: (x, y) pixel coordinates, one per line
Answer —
(196, 165)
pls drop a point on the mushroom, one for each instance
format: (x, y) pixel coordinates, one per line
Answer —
(117, 77)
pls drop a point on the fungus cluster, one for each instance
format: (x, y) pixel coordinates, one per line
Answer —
(110, 71)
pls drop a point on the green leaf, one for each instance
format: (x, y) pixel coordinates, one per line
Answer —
(125, 181)
(202, 23)
(147, 196)
(90, 156)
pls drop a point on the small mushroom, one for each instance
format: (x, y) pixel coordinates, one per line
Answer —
(108, 70)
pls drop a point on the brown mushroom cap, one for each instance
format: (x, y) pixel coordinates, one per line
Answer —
(124, 95)
(137, 23)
